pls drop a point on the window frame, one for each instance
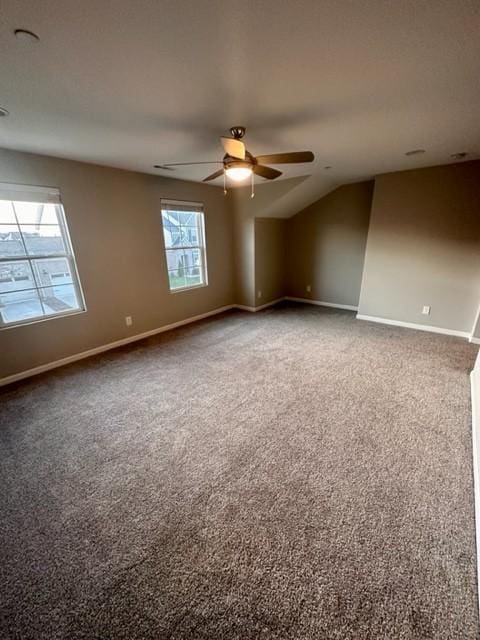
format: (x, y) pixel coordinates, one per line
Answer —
(68, 255)
(201, 246)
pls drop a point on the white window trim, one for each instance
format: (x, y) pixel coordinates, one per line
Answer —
(202, 245)
(57, 316)
(44, 195)
(30, 193)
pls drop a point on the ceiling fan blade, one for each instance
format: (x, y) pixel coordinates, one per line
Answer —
(266, 172)
(287, 158)
(234, 148)
(213, 176)
(168, 165)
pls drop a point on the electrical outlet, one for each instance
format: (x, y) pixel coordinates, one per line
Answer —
(426, 310)
(309, 288)
(128, 321)
(259, 294)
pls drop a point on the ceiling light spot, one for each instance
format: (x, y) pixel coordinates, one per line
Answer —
(3, 112)
(415, 152)
(26, 36)
(238, 174)
(459, 156)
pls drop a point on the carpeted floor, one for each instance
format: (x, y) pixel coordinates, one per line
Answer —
(293, 474)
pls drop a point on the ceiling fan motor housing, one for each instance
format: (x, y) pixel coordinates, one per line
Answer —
(230, 161)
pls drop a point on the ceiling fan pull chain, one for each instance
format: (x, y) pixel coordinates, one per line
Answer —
(224, 182)
(253, 188)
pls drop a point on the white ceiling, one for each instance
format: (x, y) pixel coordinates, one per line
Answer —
(132, 84)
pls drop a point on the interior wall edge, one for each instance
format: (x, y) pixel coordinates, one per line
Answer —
(476, 328)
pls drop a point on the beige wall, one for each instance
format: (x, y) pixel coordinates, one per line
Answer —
(244, 250)
(245, 209)
(270, 271)
(326, 245)
(115, 226)
(424, 247)
(259, 243)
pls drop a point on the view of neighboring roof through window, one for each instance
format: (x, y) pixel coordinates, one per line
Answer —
(38, 274)
(184, 237)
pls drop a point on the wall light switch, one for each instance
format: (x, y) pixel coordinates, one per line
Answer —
(128, 321)
(259, 294)
(426, 310)
(309, 288)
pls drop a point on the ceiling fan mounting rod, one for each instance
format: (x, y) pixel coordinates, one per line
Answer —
(237, 132)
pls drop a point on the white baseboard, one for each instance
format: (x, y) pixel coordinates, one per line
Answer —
(244, 307)
(412, 325)
(123, 341)
(106, 347)
(475, 386)
(321, 303)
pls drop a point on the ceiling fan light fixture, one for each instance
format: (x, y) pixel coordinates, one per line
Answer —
(238, 174)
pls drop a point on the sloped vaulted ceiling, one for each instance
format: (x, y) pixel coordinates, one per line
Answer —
(131, 84)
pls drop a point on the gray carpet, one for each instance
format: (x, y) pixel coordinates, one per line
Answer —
(294, 474)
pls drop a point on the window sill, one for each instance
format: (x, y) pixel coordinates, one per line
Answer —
(183, 289)
(25, 323)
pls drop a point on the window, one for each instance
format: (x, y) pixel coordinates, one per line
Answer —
(38, 276)
(184, 236)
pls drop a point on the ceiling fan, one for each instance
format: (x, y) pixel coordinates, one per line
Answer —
(239, 164)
